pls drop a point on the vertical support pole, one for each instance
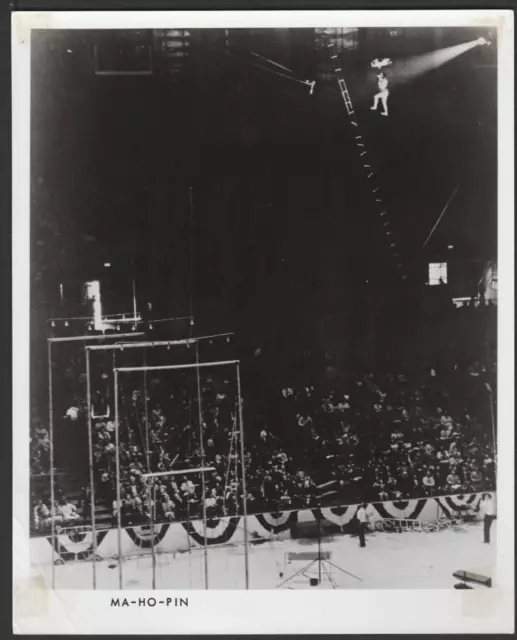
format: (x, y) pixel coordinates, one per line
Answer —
(147, 448)
(491, 401)
(51, 434)
(202, 449)
(319, 546)
(190, 266)
(494, 439)
(134, 296)
(92, 475)
(188, 542)
(117, 480)
(244, 492)
(152, 505)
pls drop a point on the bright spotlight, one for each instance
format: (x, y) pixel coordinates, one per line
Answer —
(409, 68)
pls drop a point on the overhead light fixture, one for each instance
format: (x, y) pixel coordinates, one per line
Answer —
(107, 264)
(451, 246)
(66, 323)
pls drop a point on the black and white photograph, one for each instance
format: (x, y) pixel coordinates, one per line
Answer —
(263, 323)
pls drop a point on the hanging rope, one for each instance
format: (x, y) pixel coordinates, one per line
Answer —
(307, 83)
(227, 483)
(190, 264)
(190, 427)
(146, 416)
(253, 53)
(202, 448)
(441, 214)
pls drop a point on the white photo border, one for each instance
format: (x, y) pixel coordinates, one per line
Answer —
(39, 610)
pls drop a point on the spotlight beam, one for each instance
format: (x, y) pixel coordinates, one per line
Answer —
(404, 70)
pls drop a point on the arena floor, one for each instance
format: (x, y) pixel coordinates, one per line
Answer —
(389, 561)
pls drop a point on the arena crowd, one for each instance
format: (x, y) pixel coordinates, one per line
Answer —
(394, 434)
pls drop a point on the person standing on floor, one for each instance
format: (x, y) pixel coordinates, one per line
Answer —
(487, 510)
(362, 518)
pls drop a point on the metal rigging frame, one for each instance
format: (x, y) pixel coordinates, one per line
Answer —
(197, 365)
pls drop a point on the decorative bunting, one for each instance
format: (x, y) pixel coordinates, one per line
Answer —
(277, 522)
(143, 537)
(218, 534)
(76, 543)
(405, 509)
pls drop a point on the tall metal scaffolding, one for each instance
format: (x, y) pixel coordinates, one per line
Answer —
(197, 365)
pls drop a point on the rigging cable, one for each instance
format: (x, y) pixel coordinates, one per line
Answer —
(276, 73)
(146, 414)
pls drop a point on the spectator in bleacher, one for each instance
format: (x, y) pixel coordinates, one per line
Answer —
(55, 512)
(41, 515)
(429, 483)
(453, 481)
(168, 507)
(85, 501)
(68, 511)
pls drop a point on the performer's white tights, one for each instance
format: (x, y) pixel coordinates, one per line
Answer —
(383, 97)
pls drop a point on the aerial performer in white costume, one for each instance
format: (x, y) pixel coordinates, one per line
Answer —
(382, 94)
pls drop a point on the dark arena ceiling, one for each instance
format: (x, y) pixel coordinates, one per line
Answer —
(222, 125)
